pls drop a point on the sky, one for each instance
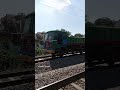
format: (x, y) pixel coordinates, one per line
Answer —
(102, 8)
(57, 14)
(16, 6)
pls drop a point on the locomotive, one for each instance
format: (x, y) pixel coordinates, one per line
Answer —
(27, 51)
(59, 43)
(102, 45)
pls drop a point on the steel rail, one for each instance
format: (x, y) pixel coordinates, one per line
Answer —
(62, 83)
(50, 57)
(12, 79)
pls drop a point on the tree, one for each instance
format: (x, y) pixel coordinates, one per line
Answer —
(104, 22)
(71, 36)
(78, 35)
(40, 35)
(88, 24)
(63, 30)
(68, 33)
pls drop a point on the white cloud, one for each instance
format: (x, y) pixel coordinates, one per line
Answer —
(57, 4)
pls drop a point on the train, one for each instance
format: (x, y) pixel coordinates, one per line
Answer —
(18, 46)
(27, 49)
(59, 43)
(102, 45)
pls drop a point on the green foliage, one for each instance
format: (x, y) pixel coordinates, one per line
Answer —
(39, 51)
(7, 58)
(89, 24)
(71, 36)
(8, 61)
(78, 35)
(69, 33)
(63, 30)
(104, 22)
(7, 55)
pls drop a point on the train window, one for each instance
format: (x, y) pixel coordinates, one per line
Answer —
(32, 25)
(55, 35)
(64, 35)
(51, 36)
(46, 37)
(27, 25)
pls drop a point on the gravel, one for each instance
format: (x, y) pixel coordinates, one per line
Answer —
(57, 74)
(42, 67)
(46, 66)
(68, 87)
(79, 83)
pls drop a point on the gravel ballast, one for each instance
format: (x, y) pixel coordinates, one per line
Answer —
(57, 74)
(46, 66)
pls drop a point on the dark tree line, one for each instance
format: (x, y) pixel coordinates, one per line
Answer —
(69, 33)
(104, 21)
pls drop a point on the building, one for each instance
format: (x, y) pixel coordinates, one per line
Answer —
(39, 39)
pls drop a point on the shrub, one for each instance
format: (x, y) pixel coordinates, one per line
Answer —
(39, 51)
(6, 59)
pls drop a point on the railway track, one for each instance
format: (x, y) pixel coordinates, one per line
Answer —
(58, 85)
(49, 57)
(12, 79)
(57, 65)
(46, 65)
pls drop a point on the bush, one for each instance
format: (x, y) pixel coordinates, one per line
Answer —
(6, 59)
(39, 51)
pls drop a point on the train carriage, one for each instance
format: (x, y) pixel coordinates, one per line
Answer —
(28, 39)
(58, 43)
(102, 44)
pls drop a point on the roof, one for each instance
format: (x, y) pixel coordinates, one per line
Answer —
(55, 31)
